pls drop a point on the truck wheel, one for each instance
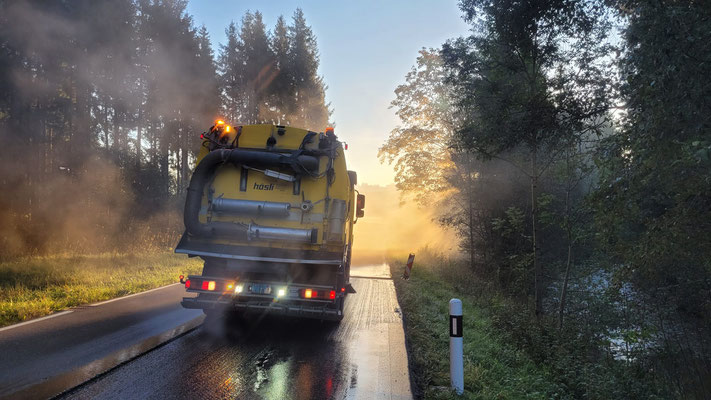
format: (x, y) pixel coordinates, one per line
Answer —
(340, 303)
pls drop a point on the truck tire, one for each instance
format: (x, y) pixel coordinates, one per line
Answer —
(339, 306)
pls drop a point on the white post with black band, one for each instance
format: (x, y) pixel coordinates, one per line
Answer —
(456, 346)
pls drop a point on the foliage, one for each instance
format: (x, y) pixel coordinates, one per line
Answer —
(35, 286)
(653, 207)
(420, 149)
(272, 77)
(595, 216)
(101, 108)
(508, 353)
(493, 368)
(529, 80)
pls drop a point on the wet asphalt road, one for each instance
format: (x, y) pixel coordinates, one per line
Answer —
(363, 357)
(43, 357)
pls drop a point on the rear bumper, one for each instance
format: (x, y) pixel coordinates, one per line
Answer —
(317, 311)
(208, 249)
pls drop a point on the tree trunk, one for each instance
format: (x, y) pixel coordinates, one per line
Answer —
(564, 289)
(569, 234)
(538, 290)
(471, 233)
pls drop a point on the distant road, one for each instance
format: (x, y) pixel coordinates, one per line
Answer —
(41, 358)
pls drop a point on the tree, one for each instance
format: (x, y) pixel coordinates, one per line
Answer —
(272, 78)
(311, 110)
(528, 79)
(653, 207)
(281, 92)
(428, 163)
(421, 147)
(231, 75)
(102, 99)
(259, 66)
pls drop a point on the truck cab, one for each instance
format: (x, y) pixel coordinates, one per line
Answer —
(270, 209)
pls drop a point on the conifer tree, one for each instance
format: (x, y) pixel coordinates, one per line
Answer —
(311, 110)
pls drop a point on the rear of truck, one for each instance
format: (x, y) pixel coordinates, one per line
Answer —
(270, 209)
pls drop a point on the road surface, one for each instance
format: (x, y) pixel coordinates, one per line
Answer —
(43, 357)
(363, 357)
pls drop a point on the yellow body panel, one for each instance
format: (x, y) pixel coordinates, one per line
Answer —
(260, 187)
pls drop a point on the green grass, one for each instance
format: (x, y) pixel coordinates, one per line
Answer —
(36, 286)
(493, 369)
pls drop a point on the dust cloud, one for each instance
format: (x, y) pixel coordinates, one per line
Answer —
(392, 227)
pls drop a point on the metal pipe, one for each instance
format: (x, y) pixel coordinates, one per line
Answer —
(206, 168)
(250, 207)
(257, 232)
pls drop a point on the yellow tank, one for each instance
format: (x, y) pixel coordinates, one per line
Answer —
(271, 210)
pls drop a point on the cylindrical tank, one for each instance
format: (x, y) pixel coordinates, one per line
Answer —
(336, 219)
(286, 234)
(250, 207)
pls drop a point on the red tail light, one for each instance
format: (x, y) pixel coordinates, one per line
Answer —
(187, 284)
(204, 285)
(317, 294)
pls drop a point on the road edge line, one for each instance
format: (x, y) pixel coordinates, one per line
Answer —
(130, 295)
(70, 310)
(32, 321)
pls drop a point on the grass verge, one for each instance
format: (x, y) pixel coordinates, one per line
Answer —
(36, 286)
(493, 369)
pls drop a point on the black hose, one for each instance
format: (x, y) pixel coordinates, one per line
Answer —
(206, 169)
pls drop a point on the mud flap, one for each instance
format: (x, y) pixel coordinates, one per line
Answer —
(350, 289)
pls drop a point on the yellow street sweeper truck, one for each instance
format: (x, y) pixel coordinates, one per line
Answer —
(270, 209)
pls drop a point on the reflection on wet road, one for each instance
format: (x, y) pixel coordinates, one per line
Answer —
(363, 357)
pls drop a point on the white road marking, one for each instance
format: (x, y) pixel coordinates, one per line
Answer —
(32, 321)
(131, 295)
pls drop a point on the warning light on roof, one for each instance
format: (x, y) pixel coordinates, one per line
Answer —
(329, 129)
(220, 122)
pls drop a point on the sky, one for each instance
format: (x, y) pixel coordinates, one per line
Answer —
(366, 48)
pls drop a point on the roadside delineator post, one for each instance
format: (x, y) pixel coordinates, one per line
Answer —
(408, 267)
(456, 346)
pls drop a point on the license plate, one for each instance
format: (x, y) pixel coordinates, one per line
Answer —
(260, 289)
